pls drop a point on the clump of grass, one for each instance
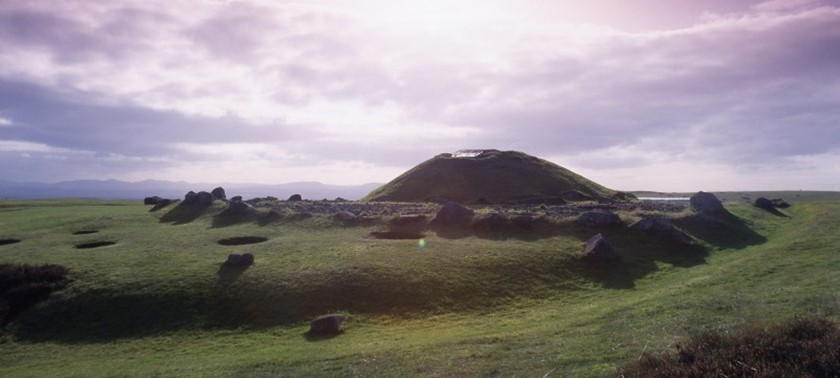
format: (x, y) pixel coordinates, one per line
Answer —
(808, 347)
(21, 286)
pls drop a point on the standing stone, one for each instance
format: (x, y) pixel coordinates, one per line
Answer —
(706, 203)
(219, 194)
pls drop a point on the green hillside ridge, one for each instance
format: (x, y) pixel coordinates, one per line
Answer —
(494, 176)
(158, 302)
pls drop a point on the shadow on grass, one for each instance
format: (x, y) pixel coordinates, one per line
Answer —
(105, 315)
(315, 337)
(227, 274)
(721, 230)
(184, 213)
(776, 212)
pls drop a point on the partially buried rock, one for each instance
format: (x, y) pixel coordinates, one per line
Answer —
(453, 214)
(219, 194)
(780, 203)
(706, 203)
(327, 324)
(153, 200)
(345, 216)
(201, 198)
(408, 224)
(238, 206)
(597, 247)
(295, 198)
(661, 226)
(492, 222)
(604, 218)
(235, 259)
(164, 202)
(764, 203)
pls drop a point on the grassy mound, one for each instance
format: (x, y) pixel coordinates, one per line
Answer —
(494, 176)
(162, 303)
(807, 347)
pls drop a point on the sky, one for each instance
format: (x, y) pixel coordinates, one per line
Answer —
(666, 95)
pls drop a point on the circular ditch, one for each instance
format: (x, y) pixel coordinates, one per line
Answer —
(95, 244)
(85, 232)
(9, 241)
(396, 235)
(242, 240)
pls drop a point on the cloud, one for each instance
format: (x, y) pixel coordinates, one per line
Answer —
(296, 86)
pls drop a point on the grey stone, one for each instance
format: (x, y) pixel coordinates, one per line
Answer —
(764, 203)
(327, 324)
(453, 214)
(662, 226)
(153, 200)
(408, 224)
(219, 194)
(201, 198)
(599, 247)
(295, 198)
(706, 203)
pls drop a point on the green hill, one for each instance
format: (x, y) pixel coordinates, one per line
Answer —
(159, 302)
(493, 176)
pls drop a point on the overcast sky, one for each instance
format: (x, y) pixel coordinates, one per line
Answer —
(668, 95)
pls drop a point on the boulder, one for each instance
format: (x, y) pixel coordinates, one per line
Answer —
(492, 222)
(706, 203)
(764, 203)
(780, 203)
(236, 199)
(523, 221)
(153, 200)
(201, 198)
(345, 216)
(408, 224)
(164, 202)
(238, 206)
(219, 194)
(327, 324)
(604, 218)
(662, 226)
(295, 198)
(598, 247)
(453, 214)
(235, 259)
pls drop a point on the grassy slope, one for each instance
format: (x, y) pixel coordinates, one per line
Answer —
(468, 179)
(156, 303)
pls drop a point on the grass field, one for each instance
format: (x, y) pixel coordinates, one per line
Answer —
(158, 302)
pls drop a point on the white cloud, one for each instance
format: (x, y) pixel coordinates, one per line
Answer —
(295, 86)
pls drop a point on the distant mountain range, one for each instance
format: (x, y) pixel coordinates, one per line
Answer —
(114, 189)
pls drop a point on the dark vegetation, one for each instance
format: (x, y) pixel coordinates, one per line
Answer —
(21, 286)
(808, 347)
